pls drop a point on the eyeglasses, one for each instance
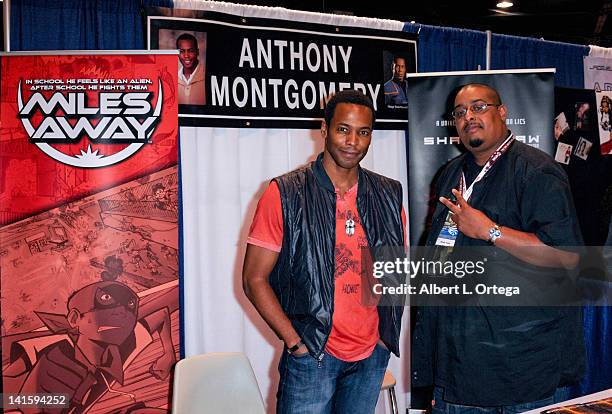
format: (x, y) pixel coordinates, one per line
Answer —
(476, 108)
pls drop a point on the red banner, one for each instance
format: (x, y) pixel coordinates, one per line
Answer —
(89, 237)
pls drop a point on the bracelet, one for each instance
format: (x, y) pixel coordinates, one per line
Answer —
(295, 347)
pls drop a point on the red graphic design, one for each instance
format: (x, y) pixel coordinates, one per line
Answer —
(91, 288)
(89, 252)
(345, 261)
(102, 94)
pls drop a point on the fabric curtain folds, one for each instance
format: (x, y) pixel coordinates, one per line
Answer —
(443, 49)
(78, 24)
(512, 52)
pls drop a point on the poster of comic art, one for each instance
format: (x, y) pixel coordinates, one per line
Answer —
(89, 255)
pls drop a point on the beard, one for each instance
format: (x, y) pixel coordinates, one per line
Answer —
(476, 142)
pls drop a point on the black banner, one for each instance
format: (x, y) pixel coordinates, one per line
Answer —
(433, 139)
(270, 73)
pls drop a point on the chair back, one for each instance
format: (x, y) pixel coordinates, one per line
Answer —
(216, 383)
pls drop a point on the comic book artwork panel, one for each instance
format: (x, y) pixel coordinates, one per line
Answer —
(74, 125)
(90, 298)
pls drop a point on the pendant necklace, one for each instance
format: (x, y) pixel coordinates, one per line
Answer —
(349, 224)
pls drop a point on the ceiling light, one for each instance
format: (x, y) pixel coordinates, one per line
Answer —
(505, 4)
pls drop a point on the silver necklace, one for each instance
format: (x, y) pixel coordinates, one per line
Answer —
(349, 224)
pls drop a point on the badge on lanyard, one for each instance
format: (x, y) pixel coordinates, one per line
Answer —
(449, 232)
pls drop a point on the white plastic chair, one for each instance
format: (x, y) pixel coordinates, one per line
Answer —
(216, 383)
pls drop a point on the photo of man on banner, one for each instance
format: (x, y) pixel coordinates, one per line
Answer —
(192, 63)
(396, 91)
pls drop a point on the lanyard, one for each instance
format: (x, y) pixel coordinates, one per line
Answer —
(466, 193)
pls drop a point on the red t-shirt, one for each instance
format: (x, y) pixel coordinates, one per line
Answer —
(354, 331)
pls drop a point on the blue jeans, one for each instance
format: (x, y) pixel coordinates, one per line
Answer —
(442, 407)
(308, 386)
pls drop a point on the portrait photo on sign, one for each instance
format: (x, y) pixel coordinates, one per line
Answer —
(192, 63)
(395, 67)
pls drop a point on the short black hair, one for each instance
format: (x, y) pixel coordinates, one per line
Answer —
(187, 36)
(351, 96)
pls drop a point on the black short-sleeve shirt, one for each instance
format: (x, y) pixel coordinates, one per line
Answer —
(491, 356)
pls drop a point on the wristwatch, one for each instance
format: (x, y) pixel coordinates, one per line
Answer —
(494, 234)
(295, 347)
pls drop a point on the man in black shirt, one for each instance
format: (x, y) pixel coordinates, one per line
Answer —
(516, 198)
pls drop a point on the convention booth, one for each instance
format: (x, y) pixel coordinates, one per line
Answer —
(123, 181)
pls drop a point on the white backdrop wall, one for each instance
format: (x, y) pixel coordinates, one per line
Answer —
(224, 172)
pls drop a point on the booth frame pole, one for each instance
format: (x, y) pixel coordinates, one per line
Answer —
(488, 50)
(6, 6)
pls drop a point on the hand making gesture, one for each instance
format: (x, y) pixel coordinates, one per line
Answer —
(471, 222)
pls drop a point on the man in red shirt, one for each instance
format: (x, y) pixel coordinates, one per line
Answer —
(302, 269)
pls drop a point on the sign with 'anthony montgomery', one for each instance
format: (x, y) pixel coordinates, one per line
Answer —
(278, 74)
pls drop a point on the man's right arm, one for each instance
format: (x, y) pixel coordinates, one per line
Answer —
(258, 264)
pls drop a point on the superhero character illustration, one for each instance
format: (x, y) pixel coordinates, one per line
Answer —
(84, 312)
(105, 328)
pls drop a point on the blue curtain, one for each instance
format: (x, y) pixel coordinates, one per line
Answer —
(512, 52)
(598, 343)
(79, 24)
(443, 49)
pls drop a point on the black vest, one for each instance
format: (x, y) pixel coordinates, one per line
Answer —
(303, 278)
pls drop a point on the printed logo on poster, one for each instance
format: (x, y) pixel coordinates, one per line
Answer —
(109, 119)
